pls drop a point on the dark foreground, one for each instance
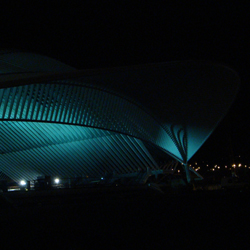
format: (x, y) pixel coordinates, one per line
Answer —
(124, 219)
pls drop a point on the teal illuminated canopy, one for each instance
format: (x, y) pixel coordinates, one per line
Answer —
(59, 121)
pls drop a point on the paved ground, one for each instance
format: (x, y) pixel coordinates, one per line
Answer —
(125, 219)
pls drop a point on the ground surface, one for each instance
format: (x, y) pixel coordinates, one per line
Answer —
(124, 219)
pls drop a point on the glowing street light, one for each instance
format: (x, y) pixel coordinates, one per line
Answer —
(22, 183)
(57, 180)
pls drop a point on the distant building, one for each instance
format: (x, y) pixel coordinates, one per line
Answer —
(59, 121)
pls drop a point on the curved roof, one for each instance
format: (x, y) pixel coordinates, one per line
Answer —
(21, 62)
(174, 106)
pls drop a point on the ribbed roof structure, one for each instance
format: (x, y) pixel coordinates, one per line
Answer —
(59, 121)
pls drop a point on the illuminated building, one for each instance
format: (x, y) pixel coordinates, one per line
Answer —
(59, 121)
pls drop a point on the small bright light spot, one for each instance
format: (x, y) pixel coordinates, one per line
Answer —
(218, 167)
(245, 166)
(195, 163)
(234, 165)
(239, 165)
(207, 165)
(179, 170)
(212, 169)
(101, 178)
(57, 180)
(225, 166)
(22, 183)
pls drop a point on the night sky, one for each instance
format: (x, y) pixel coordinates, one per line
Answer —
(97, 34)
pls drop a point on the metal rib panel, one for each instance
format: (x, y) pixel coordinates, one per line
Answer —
(129, 151)
(108, 155)
(48, 103)
(82, 165)
(124, 146)
(79, 105)
(34, 101)
(146, 160)
(66, 105)
(92, 163)
(28, 102)
(23, 102)
(105, 158)
(89, 110)
(12, 103)
(39, 101)
(6, 99)
(75, 106)
(79, 108)
(152, 163)
(116, 154)
(57, 103)
(74, 94)
(73, 153)
(126, 161)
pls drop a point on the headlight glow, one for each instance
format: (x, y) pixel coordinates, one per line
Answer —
(57, 180)
(22, 183)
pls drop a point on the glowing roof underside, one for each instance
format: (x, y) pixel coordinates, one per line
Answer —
(112, 114)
